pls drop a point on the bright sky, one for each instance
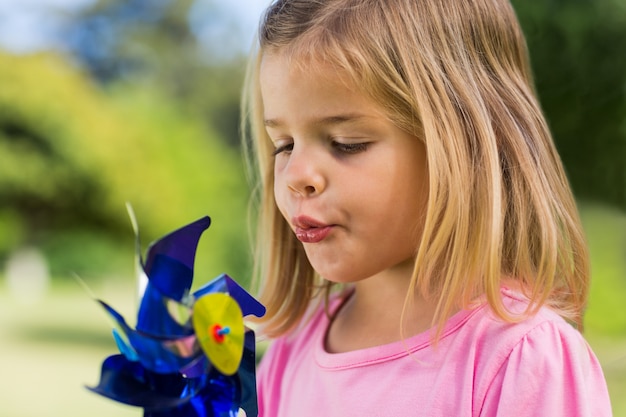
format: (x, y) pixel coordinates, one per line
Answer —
(27, 25)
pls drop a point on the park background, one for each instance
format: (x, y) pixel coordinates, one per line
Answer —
(114, 101)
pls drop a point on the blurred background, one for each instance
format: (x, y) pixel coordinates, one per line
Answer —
(104, 102)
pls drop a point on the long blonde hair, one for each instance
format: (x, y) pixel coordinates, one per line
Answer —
(455, 74)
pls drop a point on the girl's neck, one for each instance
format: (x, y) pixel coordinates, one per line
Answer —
(375, 314)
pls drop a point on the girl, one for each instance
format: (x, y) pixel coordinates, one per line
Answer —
(403, 157)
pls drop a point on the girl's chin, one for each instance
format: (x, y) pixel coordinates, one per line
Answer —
(339, 277)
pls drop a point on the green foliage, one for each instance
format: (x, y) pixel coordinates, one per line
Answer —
(577, 49)
(72, 154)
(89, 254)
(11, 230)
(606, 233)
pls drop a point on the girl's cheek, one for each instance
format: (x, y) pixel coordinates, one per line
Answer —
(279, 198)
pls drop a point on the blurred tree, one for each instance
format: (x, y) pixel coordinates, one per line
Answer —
(71, 155)
(117, 39)
(577, 49)
(157, 43)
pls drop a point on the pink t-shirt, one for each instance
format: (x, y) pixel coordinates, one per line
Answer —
(481, 367)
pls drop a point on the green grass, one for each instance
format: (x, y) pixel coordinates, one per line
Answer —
(51, 347)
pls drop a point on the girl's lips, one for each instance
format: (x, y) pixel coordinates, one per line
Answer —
(312, 234)
(309, 230)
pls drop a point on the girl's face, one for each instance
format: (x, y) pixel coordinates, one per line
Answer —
(351, 184)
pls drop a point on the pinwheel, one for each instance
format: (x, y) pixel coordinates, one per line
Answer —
(190, 354)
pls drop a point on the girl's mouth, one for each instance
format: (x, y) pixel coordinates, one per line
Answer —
(309, 230)
(312, 234)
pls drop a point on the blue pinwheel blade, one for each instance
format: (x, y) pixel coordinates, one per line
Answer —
(130, 383)
(220, 397)
(168, 395)
(248, 304)
(155, 318)
(180, 246)
(217, 398)
(169, 267)
(161, 355)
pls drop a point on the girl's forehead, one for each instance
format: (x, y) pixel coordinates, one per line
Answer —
(278, 72)
(280, 66)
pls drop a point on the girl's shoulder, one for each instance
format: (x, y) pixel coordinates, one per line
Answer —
(525, 327)
(493, 340)
(540, 354)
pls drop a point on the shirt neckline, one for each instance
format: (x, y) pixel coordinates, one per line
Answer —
(383, 353)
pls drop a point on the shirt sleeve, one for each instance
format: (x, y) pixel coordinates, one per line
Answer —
(550, 372)
(269, 377)
(262, 381)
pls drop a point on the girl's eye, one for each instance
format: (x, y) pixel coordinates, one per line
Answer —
(284, 148)
(350, 148)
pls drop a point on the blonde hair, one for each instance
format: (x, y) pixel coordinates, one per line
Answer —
(455, 74)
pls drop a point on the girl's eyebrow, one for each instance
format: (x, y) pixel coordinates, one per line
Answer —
(324, 121)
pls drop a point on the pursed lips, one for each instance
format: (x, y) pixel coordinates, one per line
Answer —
(309, 230)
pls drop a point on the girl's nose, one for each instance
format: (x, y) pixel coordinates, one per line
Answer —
(304, 174)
